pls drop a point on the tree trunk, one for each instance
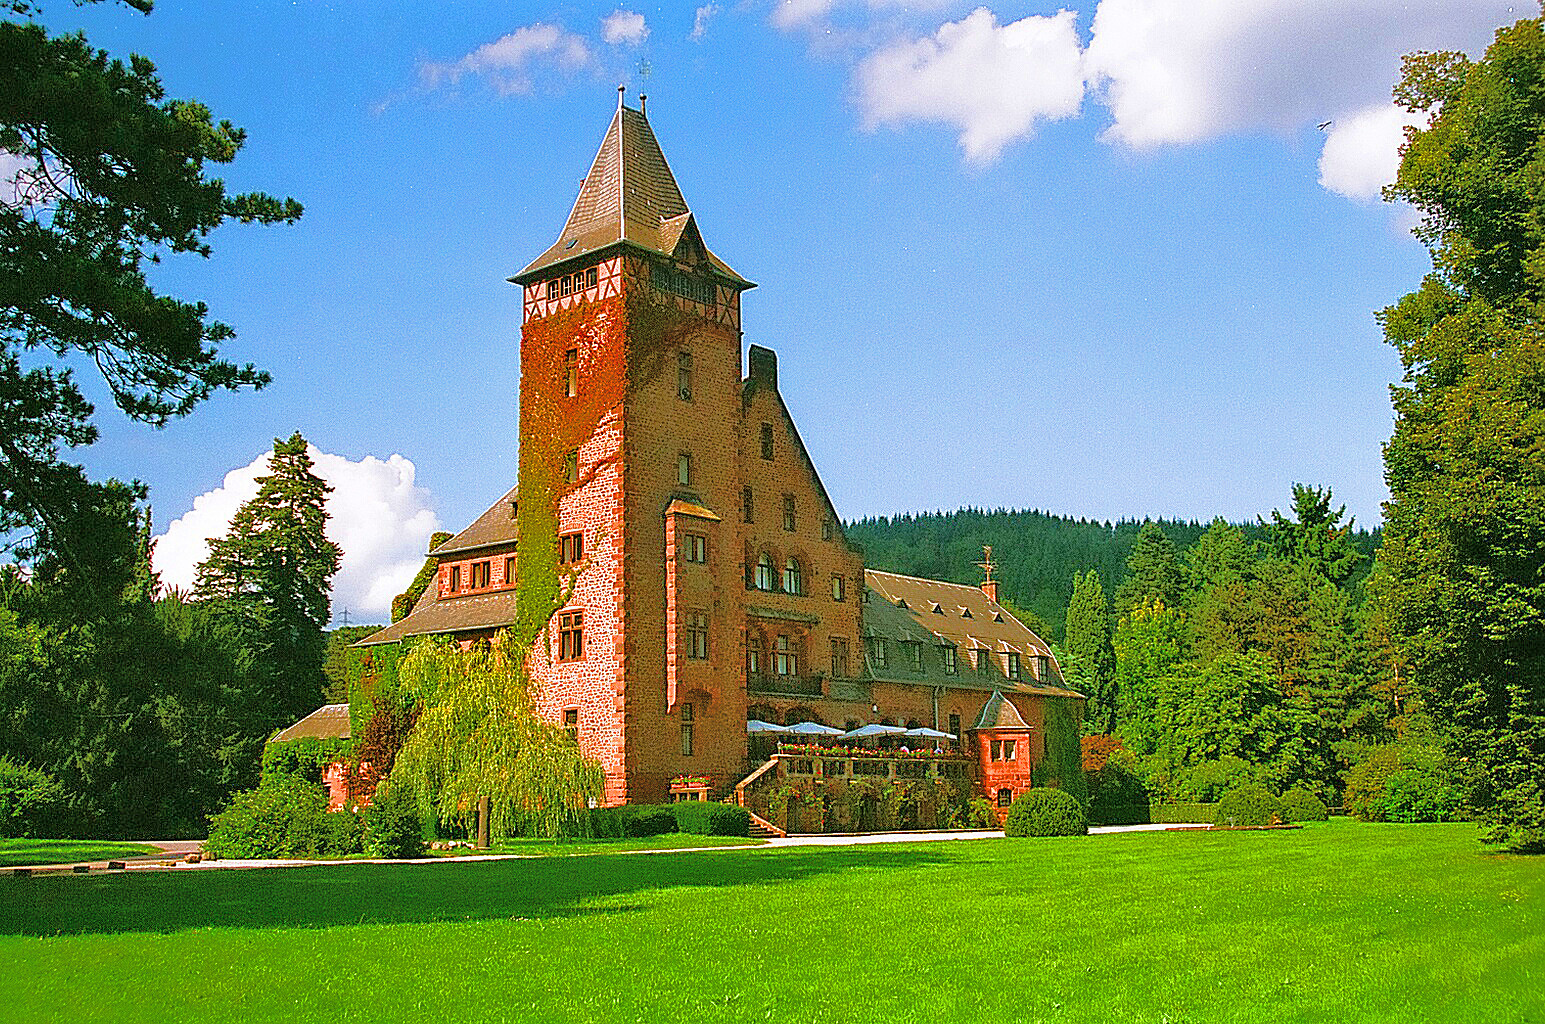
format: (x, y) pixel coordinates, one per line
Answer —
(482, 823)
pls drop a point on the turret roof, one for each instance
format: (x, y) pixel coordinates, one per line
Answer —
(630, 197)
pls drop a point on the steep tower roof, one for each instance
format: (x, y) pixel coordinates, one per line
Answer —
(630, 198)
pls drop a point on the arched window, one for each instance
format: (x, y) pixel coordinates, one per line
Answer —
(793, 578)
(764, 572)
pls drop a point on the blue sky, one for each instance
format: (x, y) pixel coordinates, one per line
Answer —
(1101, 262)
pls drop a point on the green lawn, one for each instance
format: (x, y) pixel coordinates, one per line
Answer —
(1338, 922)
(67, 851)
(580, 847)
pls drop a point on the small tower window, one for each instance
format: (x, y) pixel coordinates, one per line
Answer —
(839, 587)
(571, 468)
(745, 505)
(684, 376)
(688, 721)
(571, 373)
(684, 469)
(571, 636)
(697, 636)
(767, 439)
(571, 548)
(571, 723)
(788, 512)
(695, 548)
(840, 656)
(826, 528)
(1005, 797)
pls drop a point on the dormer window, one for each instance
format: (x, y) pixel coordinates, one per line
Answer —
(947, 652)
(1043, 667)
(983, 660)
(1013, 664)
(876, 645)
(455, 578)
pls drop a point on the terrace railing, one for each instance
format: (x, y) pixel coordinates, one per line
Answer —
(784, 686)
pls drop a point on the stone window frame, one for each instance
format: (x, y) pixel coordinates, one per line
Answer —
(571, 635)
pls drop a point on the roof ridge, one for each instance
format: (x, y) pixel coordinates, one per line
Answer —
(925, 579)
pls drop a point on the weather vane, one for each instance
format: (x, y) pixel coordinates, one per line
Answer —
(987, 565)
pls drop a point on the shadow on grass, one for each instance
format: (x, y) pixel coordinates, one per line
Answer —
(319, 897)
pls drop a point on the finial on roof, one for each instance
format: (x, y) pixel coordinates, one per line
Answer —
(987, 565)
(643, 104)
(620, 90)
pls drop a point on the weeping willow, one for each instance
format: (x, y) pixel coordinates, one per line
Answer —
(479, 734)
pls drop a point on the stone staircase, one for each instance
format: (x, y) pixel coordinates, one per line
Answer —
(761, 828)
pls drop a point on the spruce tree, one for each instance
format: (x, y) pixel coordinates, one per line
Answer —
(1153, 571)
(1314, 538)
(273, 569)
(1091, 664)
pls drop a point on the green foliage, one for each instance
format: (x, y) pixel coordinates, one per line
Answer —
(1153, 571)
(335, 660)
(1298, 804)
(705, 818)
(1465, 524)
(1248, 805)
(480, 735)
(652, 821)
(1149, 643)
(403, 603)
(1220, 557)
(111, 176)
(305, 758)
(1314, 537)
(1420, 794)
(1090, 665)
(392, 825)
(284, 817)
(1207, 781)
(30, 800)
(1045, 812)
(980, 813)
(1063, 765)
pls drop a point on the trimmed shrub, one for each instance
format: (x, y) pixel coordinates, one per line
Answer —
(392, 826)
(1298, 804)
(649, 821)
(1415, 794)
(1248, 805)
(285, 817)
(30, 800)
(1045, 812)
(702, 818)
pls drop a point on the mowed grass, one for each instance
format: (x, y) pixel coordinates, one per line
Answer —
(1340, 922)
(67, 851)
(584, 847)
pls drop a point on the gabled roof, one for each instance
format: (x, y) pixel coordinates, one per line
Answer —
(328, 722)
(909, 608)
(630, 197)
(494, 528)
(464, 614)
(999, 713)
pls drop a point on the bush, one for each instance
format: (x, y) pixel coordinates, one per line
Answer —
(1416, 794)
(285, 817)
(392, 826)
(1207, 781)
(649, 821)
(1298, 804)
(702, 818)
(980, 813)
(1045, 812)
(1248, 805)
(30, 800)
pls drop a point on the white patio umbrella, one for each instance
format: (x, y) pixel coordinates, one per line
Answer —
(865, 732)
(812, 729)
(757, 725)
(926, 733)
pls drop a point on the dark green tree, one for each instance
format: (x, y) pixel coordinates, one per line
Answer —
(1465, 524)
(1091, 662)
(111, 177)
(1153, 571)
(1220, 557)
(1314, 537)
(272, 570)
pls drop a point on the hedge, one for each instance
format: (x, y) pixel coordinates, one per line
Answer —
(1248, 805)
(1045, 812)
(701, 818)
(283, 817)
(1153, 814)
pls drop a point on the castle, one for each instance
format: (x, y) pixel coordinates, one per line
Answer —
(711, 581)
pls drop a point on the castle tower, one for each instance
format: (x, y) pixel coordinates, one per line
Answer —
(629, 411)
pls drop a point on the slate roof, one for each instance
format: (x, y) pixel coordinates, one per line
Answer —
(328, 722)
(999, 713)
(907, 609)
(494, 528)
(630, 197)
(462, 614)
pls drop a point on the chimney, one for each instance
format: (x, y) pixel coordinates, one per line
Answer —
(763, 366)
(990, 588)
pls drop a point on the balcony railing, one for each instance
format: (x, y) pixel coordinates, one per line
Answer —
(784, 686)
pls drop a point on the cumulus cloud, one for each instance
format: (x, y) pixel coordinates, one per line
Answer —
(377, 514)
(1362, 151)
(992, 82)
(1181, 71)
(508, 62)
(700, 20)
(624, 27)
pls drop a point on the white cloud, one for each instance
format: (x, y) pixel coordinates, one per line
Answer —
(377, 514)
(1181, 71)
(624, 27)
(993, 82)
(792, 14)
(700, 21)
(507, 63)
(1362, 151)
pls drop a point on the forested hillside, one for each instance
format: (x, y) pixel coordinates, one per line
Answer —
(1037, 552)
